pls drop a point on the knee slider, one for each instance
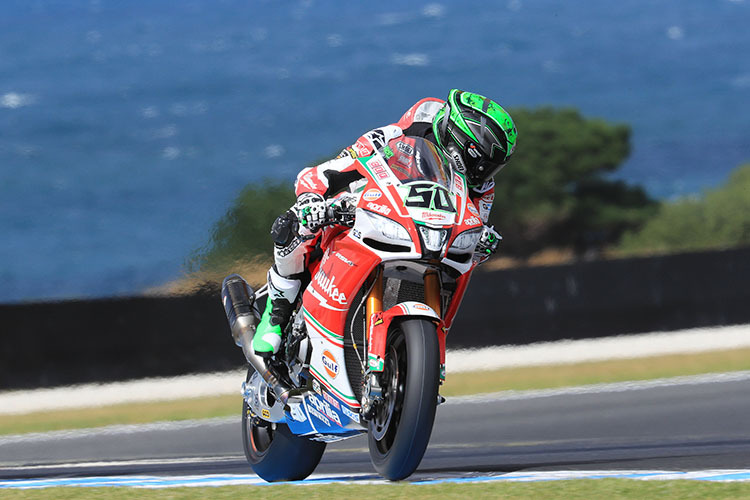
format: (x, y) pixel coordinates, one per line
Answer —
(284, 229)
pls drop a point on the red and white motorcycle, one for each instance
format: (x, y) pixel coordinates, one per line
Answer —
(365, 349)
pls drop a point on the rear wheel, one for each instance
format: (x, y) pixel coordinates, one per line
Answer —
(273, 452)
(400, 430)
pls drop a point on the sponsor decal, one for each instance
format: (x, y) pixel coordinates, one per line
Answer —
(328, 286)
(352, 153)
(472, 221)
(377, 364)
(484, 210)
(377, 137)
(331, 400)
(406, 161)
(381, 209)
(387, 152)
(472, 209)
(458, 162)
(380, 171)
(362, 147)
(421, 307)
(308, 180)
(405, 148)
(350, 414)
(356, 234)
(431, 216)
(343, 259)
(408, 117)
(374, 361)
(330, 364)
(372, 195)
(297, 413)
(315, 413)
(316, 386)
(323, 409)
(458, 185)
(488, 198)
(265, 413)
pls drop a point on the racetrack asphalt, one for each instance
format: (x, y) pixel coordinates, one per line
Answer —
(690, 423)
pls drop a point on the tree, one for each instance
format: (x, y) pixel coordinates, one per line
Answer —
(244, 232)
(554, 192)
(720, 218)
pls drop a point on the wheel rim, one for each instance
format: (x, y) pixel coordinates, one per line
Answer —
(385, 422)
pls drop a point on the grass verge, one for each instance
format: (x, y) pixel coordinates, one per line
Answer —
(570, 490)
(533, 377)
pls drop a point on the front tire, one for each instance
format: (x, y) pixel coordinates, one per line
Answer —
(400, 430)
(273, 452)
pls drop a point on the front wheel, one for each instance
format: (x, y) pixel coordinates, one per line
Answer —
(274, 453)
(400, 430)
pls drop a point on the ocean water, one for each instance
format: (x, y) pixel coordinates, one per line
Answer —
(127, 128)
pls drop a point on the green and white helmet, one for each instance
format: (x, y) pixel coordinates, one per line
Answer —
(477, 133)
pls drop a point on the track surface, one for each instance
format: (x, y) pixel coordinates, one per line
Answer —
(694, 425)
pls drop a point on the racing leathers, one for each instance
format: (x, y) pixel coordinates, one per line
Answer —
(292, 233)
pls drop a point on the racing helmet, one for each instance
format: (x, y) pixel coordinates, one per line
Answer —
(476, 133)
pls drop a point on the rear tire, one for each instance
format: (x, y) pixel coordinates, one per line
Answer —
(400, 431)
(273, 452)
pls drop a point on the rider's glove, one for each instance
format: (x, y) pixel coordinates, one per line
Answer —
(488, 243)
(311, 211)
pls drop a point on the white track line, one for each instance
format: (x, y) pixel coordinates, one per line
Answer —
(733, 475)
(213, 384)
(638, 385)
(112, 430)
(124, 463)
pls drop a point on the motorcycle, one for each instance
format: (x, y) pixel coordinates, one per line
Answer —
(364, 352)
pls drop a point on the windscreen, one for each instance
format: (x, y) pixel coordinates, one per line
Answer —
(416, 159)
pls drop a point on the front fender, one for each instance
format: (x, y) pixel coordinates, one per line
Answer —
(381, 322)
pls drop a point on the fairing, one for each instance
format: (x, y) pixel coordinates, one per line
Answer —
(408, 187)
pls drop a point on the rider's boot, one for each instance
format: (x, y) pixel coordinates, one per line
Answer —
(282, 294)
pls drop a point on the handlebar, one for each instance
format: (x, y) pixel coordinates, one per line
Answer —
(342, 214)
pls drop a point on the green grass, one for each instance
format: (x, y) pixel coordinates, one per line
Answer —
(569, 490)
(594, 372)
(535, 377)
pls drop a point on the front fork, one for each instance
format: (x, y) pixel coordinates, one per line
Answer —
(373, 394)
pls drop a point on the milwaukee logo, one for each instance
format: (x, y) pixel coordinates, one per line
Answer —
(328, 287)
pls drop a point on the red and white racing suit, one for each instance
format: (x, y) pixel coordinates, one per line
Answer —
(341, 174)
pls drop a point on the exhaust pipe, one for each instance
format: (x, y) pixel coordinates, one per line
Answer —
(238, 299)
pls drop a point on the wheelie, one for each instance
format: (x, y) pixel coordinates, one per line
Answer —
(384, 238)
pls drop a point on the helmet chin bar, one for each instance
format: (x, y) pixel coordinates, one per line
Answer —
(458, 162)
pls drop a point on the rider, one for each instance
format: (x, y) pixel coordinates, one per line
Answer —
(476, 133)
